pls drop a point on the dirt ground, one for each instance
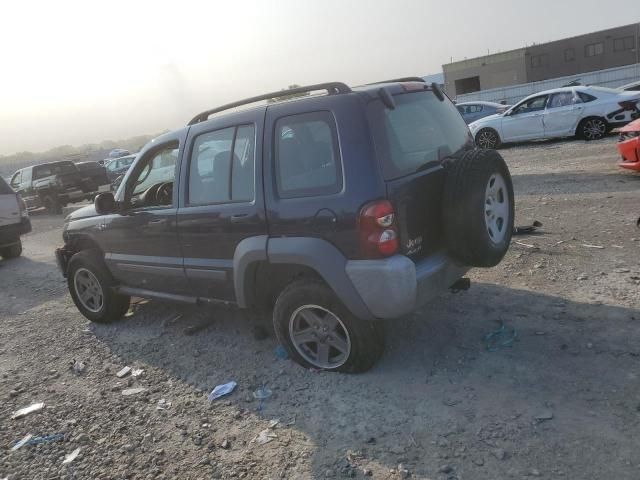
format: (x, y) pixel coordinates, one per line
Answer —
(561, 401)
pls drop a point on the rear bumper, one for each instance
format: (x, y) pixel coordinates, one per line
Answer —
(10, 234)
(396, 286)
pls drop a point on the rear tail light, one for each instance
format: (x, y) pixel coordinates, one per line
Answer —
(22, 206)
(629, 104)
(377, 230)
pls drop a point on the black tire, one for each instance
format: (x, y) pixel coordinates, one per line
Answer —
(592, 128)
(113, 306)
(473, 237)
(366, 337)
(14, 251)
(488, 138)
(52, 204)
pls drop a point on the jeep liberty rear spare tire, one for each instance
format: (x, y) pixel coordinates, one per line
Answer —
(318, 331)
(478, 208)
(90, 285)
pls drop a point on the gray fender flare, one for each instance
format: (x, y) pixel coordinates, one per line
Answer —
(248, 252)
(326, 260)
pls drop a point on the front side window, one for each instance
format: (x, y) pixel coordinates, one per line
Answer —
(307, 155)
(221, 168)
(531, 105)
(15, 181)
(153, 185)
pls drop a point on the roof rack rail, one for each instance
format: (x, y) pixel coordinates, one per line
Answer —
(331, 88)
(402, 79)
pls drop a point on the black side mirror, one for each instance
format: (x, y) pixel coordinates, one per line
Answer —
(105, 203)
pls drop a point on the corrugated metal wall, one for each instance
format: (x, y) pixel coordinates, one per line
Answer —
(612, 77)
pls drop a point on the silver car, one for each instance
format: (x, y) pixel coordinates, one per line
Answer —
(472, 111)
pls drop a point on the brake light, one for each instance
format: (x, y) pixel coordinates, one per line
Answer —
(377, 230)
(629, 104)
(22, 206)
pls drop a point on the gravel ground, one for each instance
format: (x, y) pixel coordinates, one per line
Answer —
(561, 401)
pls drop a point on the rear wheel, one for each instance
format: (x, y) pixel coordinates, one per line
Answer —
(488, 138)
(478, 208)
(14, 251)
(593, 128)
(318, 331)
(52, 204)
(91, 288)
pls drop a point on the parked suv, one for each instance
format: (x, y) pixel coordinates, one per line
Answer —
(14, 221)
(52, 185)
(335, 211)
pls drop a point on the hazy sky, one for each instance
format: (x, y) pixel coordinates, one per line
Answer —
(78, 72)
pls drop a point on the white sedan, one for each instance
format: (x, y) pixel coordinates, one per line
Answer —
(587, 112)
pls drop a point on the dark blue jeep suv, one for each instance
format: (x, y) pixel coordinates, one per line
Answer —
(333, 209)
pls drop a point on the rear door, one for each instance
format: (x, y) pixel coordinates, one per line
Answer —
(525, 121)
(9, 207)
(412, 141)
(564, 110)
(221, 199)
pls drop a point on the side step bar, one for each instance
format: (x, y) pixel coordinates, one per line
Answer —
(141, 292)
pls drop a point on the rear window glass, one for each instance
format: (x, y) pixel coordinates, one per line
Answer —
(4, 187)
(421, 130)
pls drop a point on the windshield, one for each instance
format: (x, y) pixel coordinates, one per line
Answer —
(421, 130)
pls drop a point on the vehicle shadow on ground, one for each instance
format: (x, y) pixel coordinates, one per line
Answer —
(437, 383)
(574, 183)
(30, 282)
(556, 142)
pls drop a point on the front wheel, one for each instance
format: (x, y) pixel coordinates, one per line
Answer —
(91, 288)
(592, 128)
(488, 138)
(318, 331)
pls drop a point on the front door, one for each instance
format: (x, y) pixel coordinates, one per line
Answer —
(524, 122)
(221, 199)
(141, 240)
(561, 116)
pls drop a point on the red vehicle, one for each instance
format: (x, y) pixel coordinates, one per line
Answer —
(629, 145)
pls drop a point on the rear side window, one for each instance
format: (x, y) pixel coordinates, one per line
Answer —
(222, 166)
(5, 189)
(307, 155)
(419, 131)
(585, 97)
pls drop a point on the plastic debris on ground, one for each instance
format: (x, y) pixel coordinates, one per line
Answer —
(527, 229)
(72, 456)
(21, 443)
(163, 404)
(124, 372)
(133, 391)
(281, 353)
(502, 337)
(265, 436)
(57, 437)
(78, 367)
(262, 393)
(27, 410)
(136, 372)
(222, 390)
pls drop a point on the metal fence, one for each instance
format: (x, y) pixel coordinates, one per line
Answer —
(611, 77)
